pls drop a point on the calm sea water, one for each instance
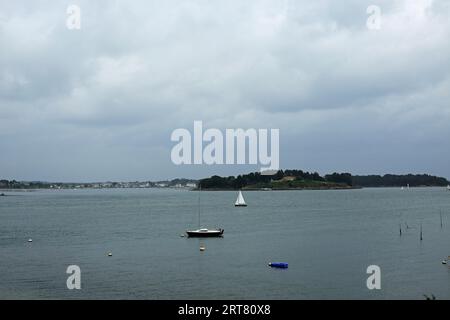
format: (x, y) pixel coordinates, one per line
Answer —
(328, 238)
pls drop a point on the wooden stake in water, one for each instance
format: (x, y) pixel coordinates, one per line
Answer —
(400, 227)
(421, 235)
(440, 214)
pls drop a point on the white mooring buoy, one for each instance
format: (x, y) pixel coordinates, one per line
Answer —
(109, 254)
(30, 240)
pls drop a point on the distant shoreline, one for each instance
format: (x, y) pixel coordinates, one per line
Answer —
(221, 189)
(316, 189)
(254, 181)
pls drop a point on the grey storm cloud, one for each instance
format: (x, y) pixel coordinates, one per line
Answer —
(100, 103)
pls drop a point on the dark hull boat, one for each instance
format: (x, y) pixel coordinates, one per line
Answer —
(205, 233)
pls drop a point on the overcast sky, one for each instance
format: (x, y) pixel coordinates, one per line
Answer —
(100, 103)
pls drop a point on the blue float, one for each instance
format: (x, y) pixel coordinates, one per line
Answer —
(281, 265)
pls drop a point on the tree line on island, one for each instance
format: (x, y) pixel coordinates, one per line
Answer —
(298, 179)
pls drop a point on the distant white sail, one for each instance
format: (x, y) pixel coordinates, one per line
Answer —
(448, 187)
(240, 202)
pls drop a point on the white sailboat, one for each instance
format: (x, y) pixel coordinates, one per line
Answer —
(240, 202)
(448, 188)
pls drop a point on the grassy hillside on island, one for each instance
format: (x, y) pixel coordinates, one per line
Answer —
(298, 179)
(288, 179)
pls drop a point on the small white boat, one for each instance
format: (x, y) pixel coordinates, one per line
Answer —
(448, 188)
(240, 202)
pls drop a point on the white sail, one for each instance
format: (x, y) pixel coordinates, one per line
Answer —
(240, 200)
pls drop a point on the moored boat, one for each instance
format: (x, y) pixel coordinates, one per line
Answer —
(205, 233)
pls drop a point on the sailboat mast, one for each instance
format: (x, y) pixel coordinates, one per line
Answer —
(199, 190)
